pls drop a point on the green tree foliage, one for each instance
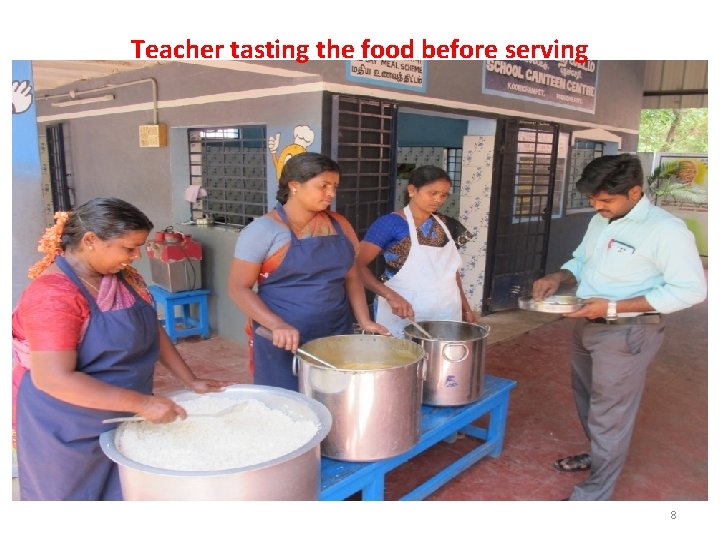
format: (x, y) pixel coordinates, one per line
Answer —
(674, 130)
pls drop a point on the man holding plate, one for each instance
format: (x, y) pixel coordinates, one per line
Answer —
(635, 263)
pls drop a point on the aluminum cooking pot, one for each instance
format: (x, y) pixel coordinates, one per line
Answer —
(294, 476)
(374, 394)
(455, 361)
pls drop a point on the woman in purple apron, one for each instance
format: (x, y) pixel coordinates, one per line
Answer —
(85, 342)
(301, 255)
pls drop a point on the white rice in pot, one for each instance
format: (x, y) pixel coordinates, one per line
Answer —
(249, 434)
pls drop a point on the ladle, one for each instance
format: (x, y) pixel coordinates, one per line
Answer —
(221, 412)
(422, 330)
(267, 334)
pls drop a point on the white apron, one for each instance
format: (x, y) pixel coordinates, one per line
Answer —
(427, 280)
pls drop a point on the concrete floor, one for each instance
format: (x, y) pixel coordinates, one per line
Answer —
(669, 452)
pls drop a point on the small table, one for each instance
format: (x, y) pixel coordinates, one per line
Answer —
(341, 479)
(183, 325)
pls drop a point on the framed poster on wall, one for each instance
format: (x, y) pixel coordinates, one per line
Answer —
(679, 185)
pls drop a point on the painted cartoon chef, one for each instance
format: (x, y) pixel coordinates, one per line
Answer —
(304, 137)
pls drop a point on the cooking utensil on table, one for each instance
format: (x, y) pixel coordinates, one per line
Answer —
(455, 361)
(222, 412)
(267, 334)
(292, 477)
(375, 374)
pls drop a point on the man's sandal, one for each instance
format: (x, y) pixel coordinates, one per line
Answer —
(580, 462)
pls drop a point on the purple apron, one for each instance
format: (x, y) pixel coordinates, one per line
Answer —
(59, 456)
(307, 291)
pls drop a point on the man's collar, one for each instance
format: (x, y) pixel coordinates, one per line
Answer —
(640, 211)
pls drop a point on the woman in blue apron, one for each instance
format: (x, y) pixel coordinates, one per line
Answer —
(421, 280)
(85, 341)
(301, 255)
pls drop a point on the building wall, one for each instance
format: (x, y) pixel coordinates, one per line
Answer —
(457, 85)
(477, 171)
(565, 235)
(107, 159)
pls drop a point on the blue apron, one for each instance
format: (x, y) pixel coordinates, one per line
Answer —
(59, 456)
(307, 291)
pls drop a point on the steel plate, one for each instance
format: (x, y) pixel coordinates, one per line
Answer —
(551, 304)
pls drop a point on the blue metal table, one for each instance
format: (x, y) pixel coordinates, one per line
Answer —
(341, 479)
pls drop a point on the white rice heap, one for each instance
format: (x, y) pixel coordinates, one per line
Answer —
(249, 434)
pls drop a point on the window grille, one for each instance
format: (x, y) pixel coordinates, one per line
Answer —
(454, 168)
(583, 152)
(364, 149)
(230, 163)
(532, 174)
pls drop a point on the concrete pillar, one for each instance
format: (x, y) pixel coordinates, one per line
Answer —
(28, 215)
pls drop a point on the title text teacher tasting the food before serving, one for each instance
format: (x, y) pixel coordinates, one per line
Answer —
(302, 257)
(421, 280)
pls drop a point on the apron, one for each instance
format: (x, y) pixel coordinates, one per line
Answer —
(59, 455)
(427, 280)
(308, 292)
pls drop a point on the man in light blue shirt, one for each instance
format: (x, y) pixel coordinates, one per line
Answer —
(635, 263)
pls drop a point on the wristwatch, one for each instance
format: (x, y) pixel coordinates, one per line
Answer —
(611, 311)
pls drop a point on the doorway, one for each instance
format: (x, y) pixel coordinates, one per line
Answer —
(521, 208)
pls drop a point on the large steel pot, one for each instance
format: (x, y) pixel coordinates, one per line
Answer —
(455, 361)
(294, 476)
(374, 394)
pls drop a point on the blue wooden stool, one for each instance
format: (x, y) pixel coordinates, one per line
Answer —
(183, 325)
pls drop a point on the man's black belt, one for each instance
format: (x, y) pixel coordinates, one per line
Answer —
(650, 318)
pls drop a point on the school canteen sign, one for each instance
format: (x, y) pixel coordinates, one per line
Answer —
(560, 83)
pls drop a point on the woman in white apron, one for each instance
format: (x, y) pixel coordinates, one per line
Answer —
(421, 280)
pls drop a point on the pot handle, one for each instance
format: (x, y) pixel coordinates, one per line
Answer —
(295, 365)
(423, 367)
(453, 357)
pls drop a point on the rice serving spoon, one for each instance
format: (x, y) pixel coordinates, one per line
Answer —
(222, 412)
